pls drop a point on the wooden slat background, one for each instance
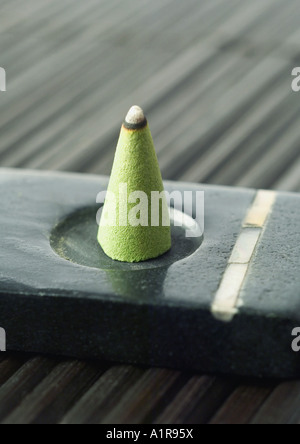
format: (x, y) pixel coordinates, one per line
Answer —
(214, 77)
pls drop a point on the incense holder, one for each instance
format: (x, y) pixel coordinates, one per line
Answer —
(60, 293)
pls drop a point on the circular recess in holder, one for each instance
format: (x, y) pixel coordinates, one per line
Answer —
(75, 239)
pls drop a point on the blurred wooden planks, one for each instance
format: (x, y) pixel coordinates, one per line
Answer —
(214, 78)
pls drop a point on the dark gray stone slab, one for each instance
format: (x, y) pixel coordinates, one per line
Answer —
(152, 313)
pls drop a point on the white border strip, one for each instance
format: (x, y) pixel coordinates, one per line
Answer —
(227, 298)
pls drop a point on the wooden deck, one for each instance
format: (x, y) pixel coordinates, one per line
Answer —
(214, 77)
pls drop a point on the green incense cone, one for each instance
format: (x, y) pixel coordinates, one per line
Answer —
(135, 223)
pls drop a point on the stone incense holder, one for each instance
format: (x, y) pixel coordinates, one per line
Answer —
(226, 301)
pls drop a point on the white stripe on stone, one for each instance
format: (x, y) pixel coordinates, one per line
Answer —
(227, 298)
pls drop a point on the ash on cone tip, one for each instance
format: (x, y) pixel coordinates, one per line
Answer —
(135, 116)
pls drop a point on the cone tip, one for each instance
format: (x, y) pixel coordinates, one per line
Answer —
(135, 115)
